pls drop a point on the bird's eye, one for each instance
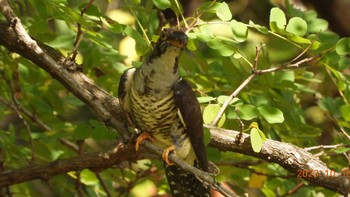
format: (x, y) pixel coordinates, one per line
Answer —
(163, 36)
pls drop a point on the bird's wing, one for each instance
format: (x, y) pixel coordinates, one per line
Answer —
(124, 89)
(187, 103)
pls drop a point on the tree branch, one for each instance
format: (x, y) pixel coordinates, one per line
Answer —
(294, 159)
(95, 162)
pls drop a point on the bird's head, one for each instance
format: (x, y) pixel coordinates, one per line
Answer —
(171, 42)
(172, 37)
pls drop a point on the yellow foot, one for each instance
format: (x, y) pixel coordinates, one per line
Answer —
(142, 137)
(166, 153)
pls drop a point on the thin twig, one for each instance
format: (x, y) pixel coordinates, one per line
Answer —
(294, 190)
(79, 32)
(78, 186)
(103, 184)
(326, 147)
(291, 66)
(16, 107)
(256, 59)
(231, 97)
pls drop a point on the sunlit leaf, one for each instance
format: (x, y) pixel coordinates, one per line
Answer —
(278, 16)
(205, 99)
(239, 30)
(223, 45)
(223, 98)
(297, 26)
(317, 25)
(341, 150)
(260, 28)
(345, 112)
(162, 4)
(223, 12)
(210, 112)
(255, 140)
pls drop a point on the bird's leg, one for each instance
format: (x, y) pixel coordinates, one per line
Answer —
(142, 137)
(166, 153)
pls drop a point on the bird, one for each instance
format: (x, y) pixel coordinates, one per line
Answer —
(164, 108)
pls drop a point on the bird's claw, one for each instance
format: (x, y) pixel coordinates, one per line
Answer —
(166, 153)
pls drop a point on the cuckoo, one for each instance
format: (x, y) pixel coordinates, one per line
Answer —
(163, 106)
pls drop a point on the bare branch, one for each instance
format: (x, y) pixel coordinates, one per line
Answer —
(326, 147)
(292, 158)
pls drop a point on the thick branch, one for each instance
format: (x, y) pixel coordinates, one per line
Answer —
(292, 158)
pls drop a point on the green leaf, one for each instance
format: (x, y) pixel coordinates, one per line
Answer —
(256, 140)
(222, 99)
(82, 131)
(223, 12)
(271, 114)
(343, 46)
(223, 45)
(343, 62)
(207, 136)
(210, 112)
(260, 28)
(297, 26)
(100, 131)
(162, 4)
(345, 112)
(317, 25)
(247, 112)
(262, 135)
(278, 16)
(341, 150)
(87, 177)
(209, 6)
(205, 99)
(92, 10)
(239, 30)
(114, 27)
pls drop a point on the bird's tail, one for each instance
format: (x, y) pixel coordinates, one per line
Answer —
(183, 184)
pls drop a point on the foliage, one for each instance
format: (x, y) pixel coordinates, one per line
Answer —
(299, 102)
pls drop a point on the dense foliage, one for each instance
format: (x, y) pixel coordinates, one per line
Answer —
(297, 91)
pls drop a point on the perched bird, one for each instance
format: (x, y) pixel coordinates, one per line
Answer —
(164, 108)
